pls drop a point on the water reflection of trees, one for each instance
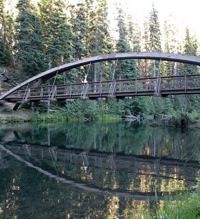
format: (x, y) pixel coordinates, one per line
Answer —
(122, 137)
(112, 172)
(22, 186)
(26, 193)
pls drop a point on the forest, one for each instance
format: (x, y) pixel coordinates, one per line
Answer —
(39, 35)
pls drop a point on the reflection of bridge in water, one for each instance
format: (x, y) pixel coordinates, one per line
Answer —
(90, 168)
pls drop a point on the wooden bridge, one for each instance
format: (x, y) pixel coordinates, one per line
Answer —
(154, 86)
(33, 90)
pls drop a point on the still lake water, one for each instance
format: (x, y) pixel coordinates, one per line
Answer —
(93, 170)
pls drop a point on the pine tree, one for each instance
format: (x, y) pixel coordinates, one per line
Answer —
(171, 45)
(144, 64)
(154, 31)
(126, 68)
(80, 29)
(134, 35)
(6, 36)
(57, 32)
(98, 40)
(134, 39)
(151, 42)
(28, 46)
(190, 48)
(154, 39)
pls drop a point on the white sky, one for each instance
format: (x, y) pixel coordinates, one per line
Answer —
(184, 12)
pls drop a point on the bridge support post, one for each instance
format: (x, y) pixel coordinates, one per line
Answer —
(157, 84)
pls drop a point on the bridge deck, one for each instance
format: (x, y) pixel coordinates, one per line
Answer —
(160, 86)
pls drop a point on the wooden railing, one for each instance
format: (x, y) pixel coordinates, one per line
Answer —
(158, 86)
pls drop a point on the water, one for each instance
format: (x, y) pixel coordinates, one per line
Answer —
(93, 170)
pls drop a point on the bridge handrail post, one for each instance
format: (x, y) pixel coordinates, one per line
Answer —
(100, 87)
(70, 90)
(136, 87)
(185, 83)
(26, 95)
(112, 88)
(53, 92)
(84, 90)
(41, 91)
(157, 86)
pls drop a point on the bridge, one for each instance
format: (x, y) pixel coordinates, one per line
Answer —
(34, 89)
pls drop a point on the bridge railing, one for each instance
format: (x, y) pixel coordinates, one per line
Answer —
(138, 86)
(184, 82)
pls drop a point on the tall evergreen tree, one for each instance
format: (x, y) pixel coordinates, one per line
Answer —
(190, 43)
(144, 64)
(6, 33)
(171, 45)
(190, 48)
(57, 32)
(28, 46)
(152, 42)
(134, 39)
(154, 38)
(98, 40)
(126, 68)
(134, 35)
(154, 31)
(80, 27)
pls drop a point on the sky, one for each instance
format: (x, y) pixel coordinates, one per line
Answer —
(183, 12)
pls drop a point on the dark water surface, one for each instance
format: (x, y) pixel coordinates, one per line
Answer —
(93, 170)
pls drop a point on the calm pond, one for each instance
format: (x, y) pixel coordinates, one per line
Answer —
(93, 170)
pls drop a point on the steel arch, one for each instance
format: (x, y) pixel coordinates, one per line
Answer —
(195, 60)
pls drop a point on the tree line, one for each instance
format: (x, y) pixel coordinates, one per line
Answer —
(38, 36)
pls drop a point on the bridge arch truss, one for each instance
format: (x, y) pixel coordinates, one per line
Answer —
(46, 75)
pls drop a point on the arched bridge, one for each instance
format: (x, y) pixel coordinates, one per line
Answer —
(33, 89)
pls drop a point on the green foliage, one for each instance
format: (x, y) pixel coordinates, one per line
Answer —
(6, 36)
(80, 27)
(113, 106)
(5, 55)
(11, 119)
(139, 105)
(125, 68)
(57, 33)
(183, 207)
(57, 117)
(29, 45)
(154, 31)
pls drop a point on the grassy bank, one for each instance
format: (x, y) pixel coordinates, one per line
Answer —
(185, 206)
(63, 117)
